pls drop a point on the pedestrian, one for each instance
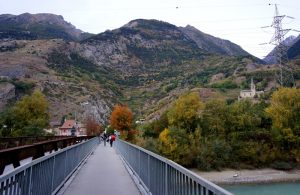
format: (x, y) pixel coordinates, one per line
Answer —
(104, 137)
(100, 138)
(112, 139)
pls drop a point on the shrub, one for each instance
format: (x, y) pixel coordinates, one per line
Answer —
(228, 84)
(281, 165)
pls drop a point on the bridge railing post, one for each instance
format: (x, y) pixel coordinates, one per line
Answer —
(166, 178)
(53, 171)
(30, 182)
(139, 172)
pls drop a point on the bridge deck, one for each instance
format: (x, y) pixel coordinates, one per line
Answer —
(103, 173)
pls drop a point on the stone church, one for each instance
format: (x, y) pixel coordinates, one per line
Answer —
(252, 93)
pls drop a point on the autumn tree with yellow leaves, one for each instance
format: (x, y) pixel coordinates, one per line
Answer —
(285, 114)
(218, 134)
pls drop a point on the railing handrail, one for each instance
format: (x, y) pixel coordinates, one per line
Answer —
(211, 186)
(11, 142)
(46, 174)
(36, 150)
(22, 168)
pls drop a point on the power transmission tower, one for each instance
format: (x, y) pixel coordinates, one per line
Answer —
(284, 74)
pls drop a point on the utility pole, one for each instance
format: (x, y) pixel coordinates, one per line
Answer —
(284, 74)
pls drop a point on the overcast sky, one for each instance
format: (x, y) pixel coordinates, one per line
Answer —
(239, 21)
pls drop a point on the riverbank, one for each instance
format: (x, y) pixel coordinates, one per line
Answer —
(229, 177)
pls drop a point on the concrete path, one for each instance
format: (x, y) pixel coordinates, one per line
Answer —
(103, 174)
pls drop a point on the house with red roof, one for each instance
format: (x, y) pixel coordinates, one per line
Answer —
(69, 128)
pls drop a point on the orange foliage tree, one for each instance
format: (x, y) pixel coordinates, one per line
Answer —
(92, 126)
(121, 119)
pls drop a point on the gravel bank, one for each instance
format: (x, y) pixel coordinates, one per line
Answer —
(250, 176)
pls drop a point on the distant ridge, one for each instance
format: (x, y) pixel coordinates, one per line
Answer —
(288, 42)
(294, 51)
(213, 44)
(38, 26)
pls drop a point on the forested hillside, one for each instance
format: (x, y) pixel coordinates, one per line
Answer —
(217, 134)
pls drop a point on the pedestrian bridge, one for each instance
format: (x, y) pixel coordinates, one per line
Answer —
(91, 168)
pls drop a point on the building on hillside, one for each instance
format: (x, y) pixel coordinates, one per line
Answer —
(81, 129)
(54, 127)
(69, 128)
(252, 93)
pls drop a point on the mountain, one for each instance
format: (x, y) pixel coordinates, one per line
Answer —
(146, 50)
(294, 50)
(145, 64)
(288, 42)
(73, 85)
(142, 48)
(213, 44)
(154, 61)
(38, 26)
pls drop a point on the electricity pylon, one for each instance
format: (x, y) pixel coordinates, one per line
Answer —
(284, 74)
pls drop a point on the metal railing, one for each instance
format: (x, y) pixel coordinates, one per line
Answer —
(16, 154)
(10, 142)
(160, 176)
(46, 175)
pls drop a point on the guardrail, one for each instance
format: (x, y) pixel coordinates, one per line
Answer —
(47, 174)
(36, 150)
(161, 176)
(10, 142)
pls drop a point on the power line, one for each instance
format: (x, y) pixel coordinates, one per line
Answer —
(232, 20)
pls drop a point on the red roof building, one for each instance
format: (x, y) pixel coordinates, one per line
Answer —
(69, 128)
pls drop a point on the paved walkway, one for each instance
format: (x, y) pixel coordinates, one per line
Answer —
(103, 174)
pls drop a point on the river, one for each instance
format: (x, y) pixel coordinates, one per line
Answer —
(265, 189)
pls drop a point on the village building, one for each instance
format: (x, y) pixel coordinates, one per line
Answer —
(81, 129)
(69, 128)
(252, 93)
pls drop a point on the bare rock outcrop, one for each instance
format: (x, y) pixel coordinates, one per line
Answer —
(7, 92)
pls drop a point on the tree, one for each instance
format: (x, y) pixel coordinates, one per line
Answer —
(180, 146)
(285, 108)
(154, 128)
(167, 146)
(6, 123)
(28, 116)
(121, 120)
(185, 112)
(214, 118)
(284, 111)
(242, 117)
(93, 128)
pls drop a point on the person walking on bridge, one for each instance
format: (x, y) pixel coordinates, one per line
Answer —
(104, 138)
(112, 139)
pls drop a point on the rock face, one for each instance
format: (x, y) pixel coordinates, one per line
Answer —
(7, 92)
(217, 77)
(213, 44)
(98, 109)
(141, 46)
(142, 43)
